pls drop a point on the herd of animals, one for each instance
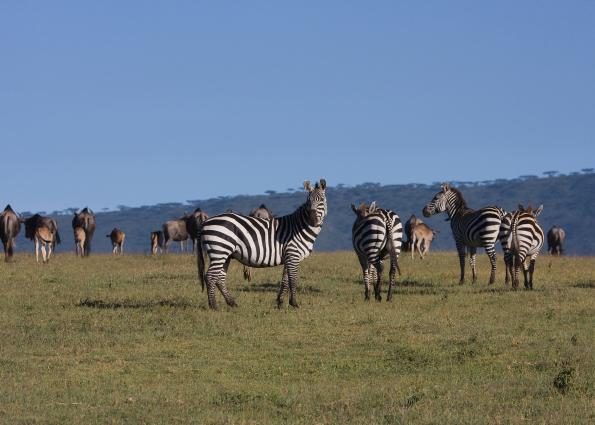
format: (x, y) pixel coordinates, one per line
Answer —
(261, 240)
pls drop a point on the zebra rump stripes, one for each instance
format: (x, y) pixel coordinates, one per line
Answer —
(256, 242)
(377, 233)
(521, 238)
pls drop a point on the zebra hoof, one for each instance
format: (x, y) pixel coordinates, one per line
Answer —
(294, 304)
(461, 282)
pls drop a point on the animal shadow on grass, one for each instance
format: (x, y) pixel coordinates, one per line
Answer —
(274, 287)
(587, 284)
(113, 305)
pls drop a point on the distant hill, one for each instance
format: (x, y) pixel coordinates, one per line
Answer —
(568, 199)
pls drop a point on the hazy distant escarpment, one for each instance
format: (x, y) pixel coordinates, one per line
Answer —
(569, 201)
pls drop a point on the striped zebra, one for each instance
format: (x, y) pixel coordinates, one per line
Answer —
(256, 242)
(521, 238)
(471, 229)
(376, 234)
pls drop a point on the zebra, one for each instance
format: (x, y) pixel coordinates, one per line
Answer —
(256, 242)
(260, 212)
(521, 238)
(471, 229)
(372, 243)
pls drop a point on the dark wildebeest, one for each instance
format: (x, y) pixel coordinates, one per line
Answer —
(422, 236)
(193, 222)
(175, 230)
(117, 237)
(86, 220)
(156, 242)
(79, 241)
(10, 226)
(555, 240)
(44, 231)
(266, 214)
(413, 220)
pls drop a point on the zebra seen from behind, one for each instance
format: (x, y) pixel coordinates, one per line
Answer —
(522, 239)
(256, 242)
(376, 234)
(471, 229)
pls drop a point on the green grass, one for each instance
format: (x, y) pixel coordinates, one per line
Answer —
(130, 340)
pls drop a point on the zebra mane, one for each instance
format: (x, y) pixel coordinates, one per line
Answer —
(459, 195)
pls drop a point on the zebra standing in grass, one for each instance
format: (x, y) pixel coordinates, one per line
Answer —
(521, 238)
(471, 229)
(377, 233)
(256, 242)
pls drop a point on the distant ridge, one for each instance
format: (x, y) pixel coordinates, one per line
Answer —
(568, 200)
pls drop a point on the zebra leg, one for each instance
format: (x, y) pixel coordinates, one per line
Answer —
(366, 270)
(394, 266)
(472, 260)
(532, 269)
(378, 281)
(515, 273)
(282, 288)
(221, 285)
(491, 251)
(508, 267)
(461, 252)
(292, 277)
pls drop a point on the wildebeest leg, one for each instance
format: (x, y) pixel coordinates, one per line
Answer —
(491, 251)
(412, 247)
(282, 288)
(50, 250)
(461, 252)
(36, 250)
(472, 260)
(43, 252)
(122, 248)
(378, 282)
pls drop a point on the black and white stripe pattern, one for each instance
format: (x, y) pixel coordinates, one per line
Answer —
(471, 229)
(522, 239)
(376, 234)
(256, 242)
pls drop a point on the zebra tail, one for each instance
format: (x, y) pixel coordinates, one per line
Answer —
(200, 260)
(391, 244)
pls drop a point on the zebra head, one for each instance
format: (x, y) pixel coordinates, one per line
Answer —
(363, 210)
(439, 202)
(316, 203)
(534, 212)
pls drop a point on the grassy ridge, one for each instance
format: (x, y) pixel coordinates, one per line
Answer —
(129, 340)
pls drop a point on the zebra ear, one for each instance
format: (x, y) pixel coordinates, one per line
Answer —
(308, 186)
(521, 208)
(445, 187)
(538, 210)
(372, 207)
(323, 184)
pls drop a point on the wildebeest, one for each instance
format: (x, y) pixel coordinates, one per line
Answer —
(422, 236)
(261, 212)
(175, 230)
(79, 241)
(44, 231)
(10, 226)
(193, 222)
(413, 220)
(117, 237)
(156, 242)
(85, 220)
(555, 240)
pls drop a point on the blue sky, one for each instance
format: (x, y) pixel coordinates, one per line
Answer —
(111, 102)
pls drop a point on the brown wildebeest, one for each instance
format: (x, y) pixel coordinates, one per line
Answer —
(555, 240)
(261, 212)
(413, 220)
(175, 230)
(193, 222)
(156, 242)
(117, 237)
(79, 241)
(421, 238)
(44, 231)
(86, 220)
(10, 226)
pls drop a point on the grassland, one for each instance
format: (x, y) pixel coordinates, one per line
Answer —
(130, 340)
